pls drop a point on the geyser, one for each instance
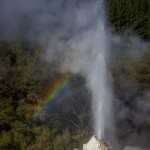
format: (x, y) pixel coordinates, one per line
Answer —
(97, 77)
(88, 55)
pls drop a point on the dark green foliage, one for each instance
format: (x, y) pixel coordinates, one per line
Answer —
(125, 67)
(131, 77)
(24, 77)
(131, 15)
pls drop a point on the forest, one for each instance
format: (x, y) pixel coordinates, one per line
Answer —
(25, 77)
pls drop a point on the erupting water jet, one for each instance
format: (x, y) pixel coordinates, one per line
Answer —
(97, 77)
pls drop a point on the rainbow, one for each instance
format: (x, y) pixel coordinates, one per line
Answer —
(55, 93)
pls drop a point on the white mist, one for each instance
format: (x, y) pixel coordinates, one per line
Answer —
(85, 52)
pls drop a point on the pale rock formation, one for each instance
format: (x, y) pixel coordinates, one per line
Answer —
(95, 144)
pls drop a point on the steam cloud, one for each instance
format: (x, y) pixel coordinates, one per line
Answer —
(66, 29)
(73, 34)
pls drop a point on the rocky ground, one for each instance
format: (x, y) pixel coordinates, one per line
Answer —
(95, 144)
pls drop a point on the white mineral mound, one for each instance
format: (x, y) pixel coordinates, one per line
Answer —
(95, 144)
